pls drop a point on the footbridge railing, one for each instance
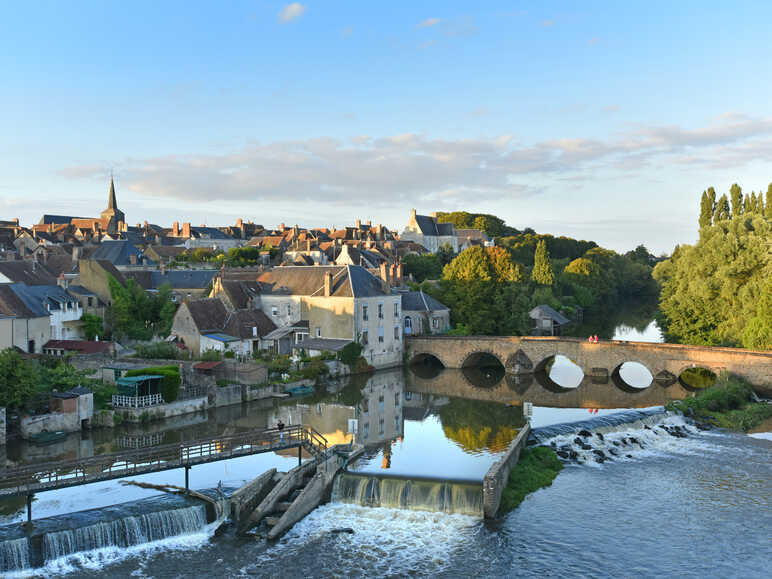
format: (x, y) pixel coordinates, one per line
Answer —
(30, 479)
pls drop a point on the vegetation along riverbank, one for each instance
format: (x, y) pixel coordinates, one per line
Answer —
(537, 468)
(729, 403)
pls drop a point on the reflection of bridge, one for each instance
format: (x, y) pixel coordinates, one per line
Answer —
(514, 390)
(527, 355)
(30, 479)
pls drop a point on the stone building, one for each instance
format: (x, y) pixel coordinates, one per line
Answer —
(422, 314)
(425, 230)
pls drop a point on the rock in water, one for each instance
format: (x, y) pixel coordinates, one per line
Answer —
(585, 433)
(348, 530)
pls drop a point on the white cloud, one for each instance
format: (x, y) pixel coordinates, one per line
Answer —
(291, 12)
(429, 22)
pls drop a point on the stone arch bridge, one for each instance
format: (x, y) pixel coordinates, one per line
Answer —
(527, 355)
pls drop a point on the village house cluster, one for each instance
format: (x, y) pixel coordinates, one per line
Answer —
(304, 289)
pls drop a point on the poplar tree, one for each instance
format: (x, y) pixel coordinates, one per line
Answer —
(769, 202)
(722, 209)
(542, 269)
(706, 210)
(736, 194)
(749, 207)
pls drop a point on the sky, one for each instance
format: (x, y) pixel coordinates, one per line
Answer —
(596, 120)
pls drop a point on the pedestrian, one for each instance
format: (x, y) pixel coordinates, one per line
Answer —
(280, 426)
(595, 338)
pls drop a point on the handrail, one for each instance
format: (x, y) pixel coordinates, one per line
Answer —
(163, 457)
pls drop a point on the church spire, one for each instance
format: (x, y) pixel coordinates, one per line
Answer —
(111, 202)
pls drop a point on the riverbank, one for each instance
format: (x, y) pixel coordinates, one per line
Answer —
(729, 404)
(536, 468)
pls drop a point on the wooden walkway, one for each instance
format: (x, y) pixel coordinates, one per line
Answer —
(28, 480)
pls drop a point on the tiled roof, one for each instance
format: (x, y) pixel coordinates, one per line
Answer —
(82, 346)
(209, 314)
(209, 232)
(545, 311)
(119, 252)
(322, 344)
(241, 322)
(239, 292)
(348, 281)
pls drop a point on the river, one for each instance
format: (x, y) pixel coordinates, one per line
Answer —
(692, 506)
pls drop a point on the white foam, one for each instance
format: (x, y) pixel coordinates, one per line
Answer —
(396, 542)
(762, 435)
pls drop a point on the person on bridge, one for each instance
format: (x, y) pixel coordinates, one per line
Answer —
(595, 338)
(280, 427)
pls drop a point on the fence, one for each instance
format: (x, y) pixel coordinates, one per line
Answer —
(120, 401)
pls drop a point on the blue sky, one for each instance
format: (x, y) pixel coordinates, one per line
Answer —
(599, 120)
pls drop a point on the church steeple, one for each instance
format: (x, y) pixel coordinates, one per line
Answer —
(112, 216)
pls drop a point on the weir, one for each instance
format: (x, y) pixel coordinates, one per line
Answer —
(416, 494)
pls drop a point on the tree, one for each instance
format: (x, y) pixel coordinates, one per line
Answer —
(423, 267)
(18, 378)
(483, 264)
(758, 332)
(768, 211)
(93, 325)
(707, 207)
(542, 269)
(723, 212)
(736, 193)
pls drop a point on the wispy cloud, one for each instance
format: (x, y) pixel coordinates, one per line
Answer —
(405, 167)
(291, 12)
(429, 22)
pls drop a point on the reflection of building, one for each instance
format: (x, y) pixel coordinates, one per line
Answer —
(380, 411)
(331, 420)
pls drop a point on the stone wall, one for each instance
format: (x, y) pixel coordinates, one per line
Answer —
(162, 411)
(227, 395)
(524, 355)
(495, 480)
(54, 422)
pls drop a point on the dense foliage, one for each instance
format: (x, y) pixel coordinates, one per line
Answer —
(93, 326)
(719, 291)
(490, 224)
(170, 385)
(428, 266)
(536, 468)
(138, 315)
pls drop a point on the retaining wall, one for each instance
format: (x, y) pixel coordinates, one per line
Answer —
(2, 427)
(497, 476)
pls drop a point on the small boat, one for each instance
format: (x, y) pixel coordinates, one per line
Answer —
(299, 390)
(44, 438)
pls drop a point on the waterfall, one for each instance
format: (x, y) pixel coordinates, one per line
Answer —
(133, 530)
(405, 493)
(14, 554)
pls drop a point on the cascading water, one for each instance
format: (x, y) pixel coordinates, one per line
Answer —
(14, 554)
(125, 532)
(412, 494)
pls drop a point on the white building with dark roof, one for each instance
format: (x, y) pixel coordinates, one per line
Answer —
(425, 230)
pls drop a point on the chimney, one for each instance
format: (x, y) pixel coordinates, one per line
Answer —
(133, 259)
(163, 268)
(359, 223)
(400, 275)
(327, 284)
(412, 214)
(308, 245)
(76, 253)
(369, 223)
(239, 222)
(281, 227)
(145, 224)
(176, 229)
(384, 271)
(186, 230)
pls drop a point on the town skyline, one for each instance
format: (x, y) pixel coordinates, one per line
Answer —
(572, 121)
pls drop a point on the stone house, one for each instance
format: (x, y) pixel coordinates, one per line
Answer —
(206, 324)
(425, 229)
(339, 302)
(546, 321)
(473, 237)
(422, 314)
(24, 324)
(69, 412)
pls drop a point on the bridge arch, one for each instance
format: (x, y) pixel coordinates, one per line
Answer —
(571, 374)
(483, 369)
(636, 377)
(697, 377)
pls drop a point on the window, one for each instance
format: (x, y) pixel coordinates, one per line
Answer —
(90, 301)
(380, 403)
(364, 313)
(396, 332)
(254, 331)
(380, 335)
(380, 425)
(435, 323)
(380, 311)
(364, 338)
(318, 332)
(396, 399)
(274, 311)
(408, 326)
(396, 309)
(366, 430)
(289, 309)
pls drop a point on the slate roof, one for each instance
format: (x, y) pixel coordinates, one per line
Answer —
(241, 322)
(421, 302)
(544, 311)
(119, 252)
(322, 344)
(348, 281)
(177, 278)
(25, 271)
(210, 232)
(52, 295)
(60, 219)
(12, 305)
(209, 314)
(239, 292)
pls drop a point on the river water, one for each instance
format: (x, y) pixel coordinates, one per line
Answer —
(692, 505)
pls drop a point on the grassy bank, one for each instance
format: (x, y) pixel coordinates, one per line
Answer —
(536, 468)
(726, 404)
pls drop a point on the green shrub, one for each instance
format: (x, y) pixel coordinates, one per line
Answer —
(350, 353)
(170, 385)
(230, 354)
(103, 395)
(280, 364)
(314, 369)
(327, 355)
(361, 366)
(157, 350)
(211, 356)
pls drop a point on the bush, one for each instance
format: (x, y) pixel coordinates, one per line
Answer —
(157, 350)
(170, 385)
(361, 366)
(327, 355)
(280, 364)
(103, 395)
(314, 369)
(211, 356)
(350, 353)
(229, 354)
(536, 468)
